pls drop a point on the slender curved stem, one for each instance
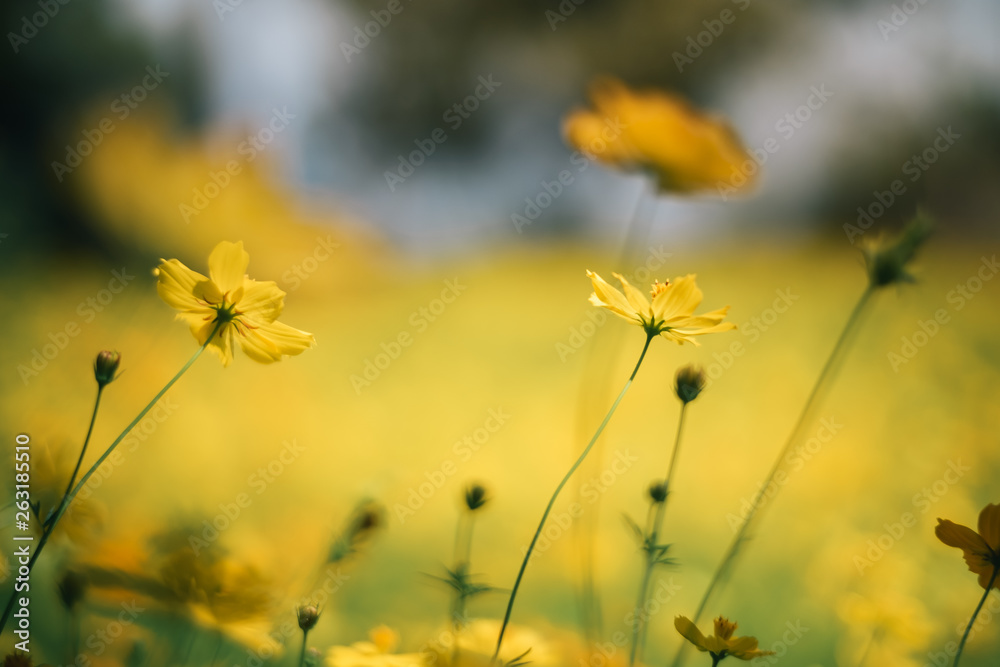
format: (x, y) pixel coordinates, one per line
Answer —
(552, 500)
(68, 498)
(968, 628)
(639, 626)
(724, 569)
(595, 375)
(83, 450)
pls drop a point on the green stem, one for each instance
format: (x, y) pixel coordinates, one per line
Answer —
(552, 500)
(302, 655)
(639, 627)
(965, 637)
(83, 450)
(724, 569)
(68, 498)
(596, 375)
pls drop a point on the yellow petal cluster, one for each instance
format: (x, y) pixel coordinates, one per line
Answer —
(244, 310)
(670, 313)
(722, 643)
(981, 550)
(686, 149)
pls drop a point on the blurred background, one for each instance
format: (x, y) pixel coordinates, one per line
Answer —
(141, 129)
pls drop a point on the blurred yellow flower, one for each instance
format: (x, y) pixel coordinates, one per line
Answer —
(477, 641)
(374, 653)
(981, 550)
(721, 644)
(687, 150)
(671, 313)
(246, 309)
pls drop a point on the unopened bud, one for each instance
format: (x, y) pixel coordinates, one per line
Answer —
(105, 367)
(658, 492)
(690, 382)
(475, 496)
(308, 617)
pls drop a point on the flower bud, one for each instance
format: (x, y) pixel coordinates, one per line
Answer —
(475, 496)
(72, 587)
(690, 382)
(105, 367)
(658, 492)
(308, 617)
(887, 259)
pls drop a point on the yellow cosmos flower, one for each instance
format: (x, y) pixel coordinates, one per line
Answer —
(981, 550)
(671, 312)
(374, 653)
(721, 644)
(687, 150)
(245, 310)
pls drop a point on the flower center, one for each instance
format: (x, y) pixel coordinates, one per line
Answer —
(659, 287)
(225, 312)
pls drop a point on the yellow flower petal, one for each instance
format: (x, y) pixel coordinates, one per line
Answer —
(691, 632)
(686, 149)
(227, 265)
(680, 297)
(635, 298)
(262, 301)
(175, 283)
(222, 344)
(268, 342)
(989, 526)
(606, 296)
(962, 537)
(745, 648)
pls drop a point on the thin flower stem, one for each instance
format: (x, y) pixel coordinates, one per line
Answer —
(552, 500)
(83, 450)
(302, 655)
(596, 375)
(68, 498)
(725, 567)
(965, 637)
(639, 628)
(47, 527)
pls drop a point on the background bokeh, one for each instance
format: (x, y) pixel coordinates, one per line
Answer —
(312, 127)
